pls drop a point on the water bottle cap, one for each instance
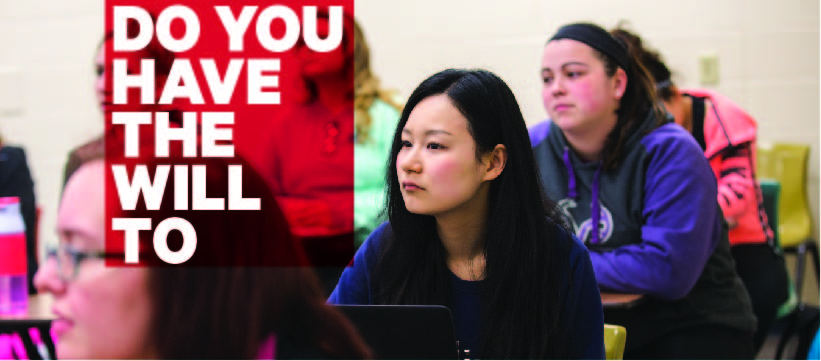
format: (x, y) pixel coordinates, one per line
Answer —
(11, 220)
(4, 201)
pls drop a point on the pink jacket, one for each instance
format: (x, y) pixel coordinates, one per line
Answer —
(730, 138)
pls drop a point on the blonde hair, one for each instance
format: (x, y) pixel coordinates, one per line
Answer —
(366, 87)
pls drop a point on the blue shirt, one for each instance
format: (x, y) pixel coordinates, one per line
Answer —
(585, 314)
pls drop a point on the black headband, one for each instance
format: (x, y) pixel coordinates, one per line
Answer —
(597, 38)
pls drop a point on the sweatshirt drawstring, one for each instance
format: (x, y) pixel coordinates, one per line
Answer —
(595, 207)
(571, 177)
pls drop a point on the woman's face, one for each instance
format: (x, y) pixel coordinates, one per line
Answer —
(105, 92)
(578, 94)
(437, 167)
(104, 95)
(101, 312)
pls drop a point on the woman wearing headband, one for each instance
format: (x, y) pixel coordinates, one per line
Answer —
(470, 228)
(727, 135)
(640, 194)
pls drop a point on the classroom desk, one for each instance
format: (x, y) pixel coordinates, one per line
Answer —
(40, 306)
(620, 300)
(39, 316)
(39, 312)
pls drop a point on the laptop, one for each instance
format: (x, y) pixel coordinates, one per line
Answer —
(405, 332)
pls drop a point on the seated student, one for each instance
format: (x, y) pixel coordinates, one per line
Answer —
(727, 135)
(230, 311)
(641, 195)
(163, 58)
(469, 228)
(15, 181)
(310, 155)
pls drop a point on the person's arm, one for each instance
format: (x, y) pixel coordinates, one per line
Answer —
(585, 311)
(736, 186)
(681, 228)
(354, 284)
(371, 166)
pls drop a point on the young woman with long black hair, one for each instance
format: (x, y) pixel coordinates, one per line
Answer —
(470, 228)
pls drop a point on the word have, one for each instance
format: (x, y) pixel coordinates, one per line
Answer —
(182, 82)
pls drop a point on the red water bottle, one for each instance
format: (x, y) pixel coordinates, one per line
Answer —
(13, 284)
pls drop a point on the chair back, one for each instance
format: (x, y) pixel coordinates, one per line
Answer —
(771, 194)
(771, 191)
(787, 163)
(614, 339)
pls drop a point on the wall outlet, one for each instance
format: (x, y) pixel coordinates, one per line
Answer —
(708, 69)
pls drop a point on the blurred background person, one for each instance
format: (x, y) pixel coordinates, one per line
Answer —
(311, 153)
(727, 136)
(16, 181)
(376, 113)
(163, 60)
(262, 302)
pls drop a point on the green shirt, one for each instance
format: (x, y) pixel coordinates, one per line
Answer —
(370, 163)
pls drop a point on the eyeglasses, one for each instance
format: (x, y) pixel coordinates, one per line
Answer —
(69, 259)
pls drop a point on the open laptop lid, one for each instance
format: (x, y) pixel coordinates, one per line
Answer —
(405, 332)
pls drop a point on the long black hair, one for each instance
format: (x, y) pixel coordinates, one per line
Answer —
(526, 244)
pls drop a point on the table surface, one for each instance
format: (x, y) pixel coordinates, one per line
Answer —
(40, 305)
(39, 309)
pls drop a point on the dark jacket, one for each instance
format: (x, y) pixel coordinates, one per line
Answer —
(15, 181)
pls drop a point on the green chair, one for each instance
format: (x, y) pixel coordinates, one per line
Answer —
(791, 309)
(614, 339)
(787, 164)
(771, 192)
